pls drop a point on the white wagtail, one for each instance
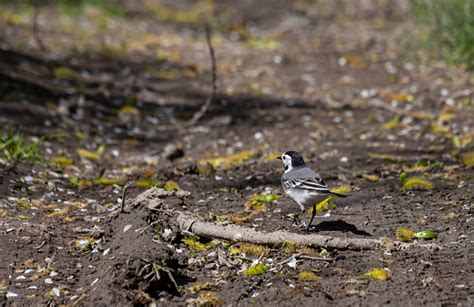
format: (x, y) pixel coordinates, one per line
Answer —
(302, 184)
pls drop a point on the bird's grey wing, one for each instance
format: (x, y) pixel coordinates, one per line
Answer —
(306, 179)
(309, 184)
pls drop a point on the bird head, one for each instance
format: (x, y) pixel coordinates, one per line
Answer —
(291, 159)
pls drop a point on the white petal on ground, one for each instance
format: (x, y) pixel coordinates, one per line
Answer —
(56, 292)
(127, 228)
(292, 262)
(11, 294)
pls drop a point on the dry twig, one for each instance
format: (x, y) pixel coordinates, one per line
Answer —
(35, 27)
(198, 115)
(124, 195)
(151, 224)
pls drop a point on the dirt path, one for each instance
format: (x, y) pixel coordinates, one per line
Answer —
(334, 82)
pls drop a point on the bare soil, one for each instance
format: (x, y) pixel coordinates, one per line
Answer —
(327, 90)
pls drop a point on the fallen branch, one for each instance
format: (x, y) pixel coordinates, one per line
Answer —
(238, 233)
(198, 115)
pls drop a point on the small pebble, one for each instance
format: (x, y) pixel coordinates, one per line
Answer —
(444, 92)
(342, 61)
(56, 292)
(11, 294)
(258, 135)
(210, 266)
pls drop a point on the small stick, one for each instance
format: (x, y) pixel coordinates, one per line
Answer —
(51, 261)
(316, 258)
(288, 259)
(41, 245)
(124, 194)
(198, 115)
(151, 224)
(35, 27)
(387, 107)
(170, 275)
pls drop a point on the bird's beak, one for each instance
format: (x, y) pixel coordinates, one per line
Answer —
(278, 158)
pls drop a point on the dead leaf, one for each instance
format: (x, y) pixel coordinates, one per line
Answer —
(197, 287)
(66, 73)
(88, 154)
(371, 178)
(147, 183)
(272, 157)
(449, 217)
(107, 181)
(379, 274)
(399, 96)
(249, 249)
(210, 299)
(405, 234)
(350, 292)
(308, 276)
(129, 110)
(171, 185)
(353, 61)
(416, 183)
(386, 157)
(229, 161)
(3, 283)
(468, 159)
(59, 213)
(61, 161)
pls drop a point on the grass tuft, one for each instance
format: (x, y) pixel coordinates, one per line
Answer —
(450, 28)
(75, 7)
(14, 147)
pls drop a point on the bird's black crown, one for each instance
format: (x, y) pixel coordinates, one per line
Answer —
(296, 158)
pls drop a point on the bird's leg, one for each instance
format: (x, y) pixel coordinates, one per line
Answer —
(312, 216)
(296, 220)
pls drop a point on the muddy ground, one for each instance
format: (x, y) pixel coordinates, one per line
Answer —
(343, 83)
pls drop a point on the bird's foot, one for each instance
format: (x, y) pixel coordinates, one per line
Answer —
(296, 220)
(298, 223)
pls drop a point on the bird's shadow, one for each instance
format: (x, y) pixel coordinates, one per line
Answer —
(338, 225)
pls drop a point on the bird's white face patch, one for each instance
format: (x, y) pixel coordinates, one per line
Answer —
(286, 159)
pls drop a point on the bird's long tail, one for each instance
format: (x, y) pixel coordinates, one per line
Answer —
(337, 194)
